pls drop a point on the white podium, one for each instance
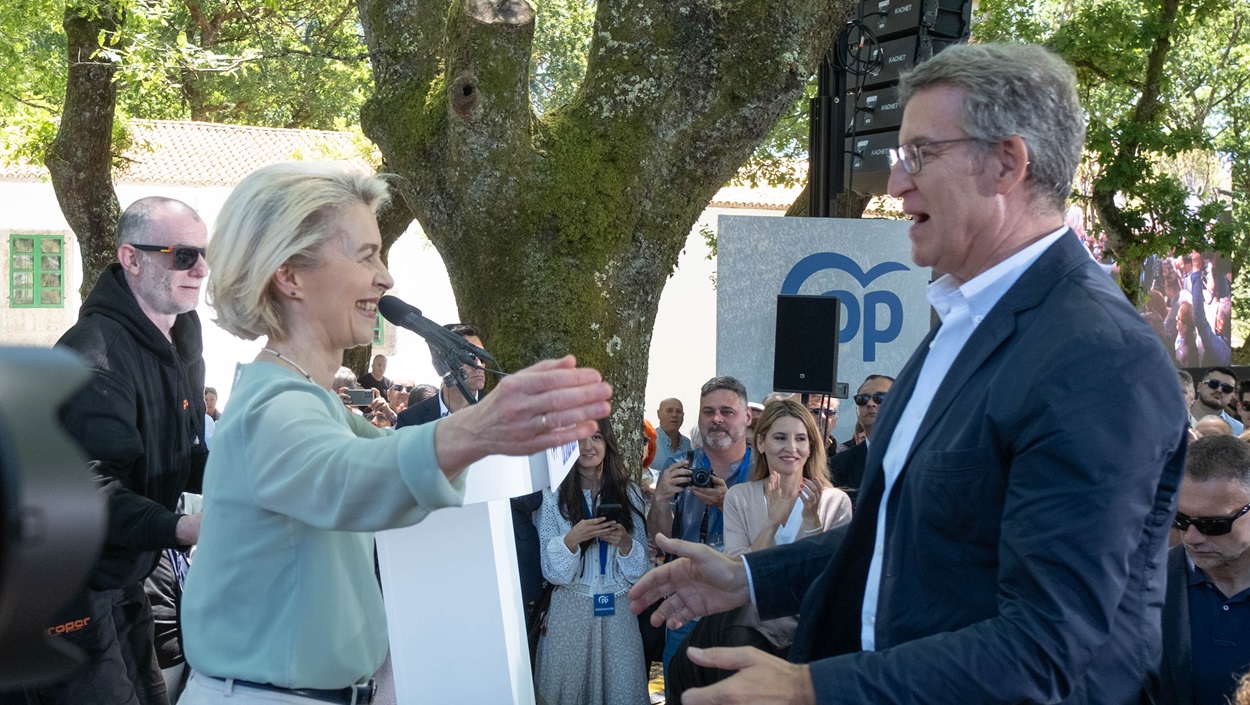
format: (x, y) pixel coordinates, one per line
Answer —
(453, 598)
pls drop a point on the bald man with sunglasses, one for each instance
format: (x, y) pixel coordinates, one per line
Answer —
(1206, 616)
(141, 418)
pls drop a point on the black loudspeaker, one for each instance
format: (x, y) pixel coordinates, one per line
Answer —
(805, 350)
(868, 161)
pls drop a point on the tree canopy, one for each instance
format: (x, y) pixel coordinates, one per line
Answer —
(1166, 84)
(557, 154)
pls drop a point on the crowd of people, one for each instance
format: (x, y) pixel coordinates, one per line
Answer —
(1188, 303)
(993, 532)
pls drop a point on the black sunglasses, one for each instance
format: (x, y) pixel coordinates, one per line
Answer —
(1209, 526)
(403, 387)
(1216, 384)
(184, 257)
(861, 399)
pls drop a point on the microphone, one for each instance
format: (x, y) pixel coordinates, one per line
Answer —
(451, 345)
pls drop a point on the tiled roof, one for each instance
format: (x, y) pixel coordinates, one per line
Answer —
(770, 198)
(188, 153)
(210, 154)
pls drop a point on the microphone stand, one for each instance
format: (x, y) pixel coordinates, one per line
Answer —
(455, 370)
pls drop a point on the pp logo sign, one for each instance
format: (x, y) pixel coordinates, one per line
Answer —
(605, 605)
(879, 314)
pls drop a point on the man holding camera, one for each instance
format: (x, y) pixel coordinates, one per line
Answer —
(691, 489)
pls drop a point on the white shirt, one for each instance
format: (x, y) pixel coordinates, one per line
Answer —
(443, 411)
(961, 308)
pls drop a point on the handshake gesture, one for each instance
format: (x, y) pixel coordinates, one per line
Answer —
(703, 581)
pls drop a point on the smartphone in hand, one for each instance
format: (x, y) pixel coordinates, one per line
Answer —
(611, 511)
(359, 397)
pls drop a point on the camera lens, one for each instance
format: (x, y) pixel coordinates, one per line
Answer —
(701, 477)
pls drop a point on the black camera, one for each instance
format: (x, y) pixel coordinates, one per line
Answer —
(700, 477)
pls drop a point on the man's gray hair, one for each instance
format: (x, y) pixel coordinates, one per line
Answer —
(135, 225)
(1014, 89)
(730, 383)
(344, 378)
(1219, 458)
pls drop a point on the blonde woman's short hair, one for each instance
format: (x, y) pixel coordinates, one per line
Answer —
(281, 213)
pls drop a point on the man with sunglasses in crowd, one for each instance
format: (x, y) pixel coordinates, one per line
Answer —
(400, 393)
(1214, 392)
(141, 418)
(1206, 618)
(846, 469)
(1010, 535)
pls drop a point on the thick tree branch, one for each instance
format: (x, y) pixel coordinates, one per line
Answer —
(80, 157)
(1145, 113)
(25, 101)
(404, 38)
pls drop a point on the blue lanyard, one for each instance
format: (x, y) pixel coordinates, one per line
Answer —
(603, 545)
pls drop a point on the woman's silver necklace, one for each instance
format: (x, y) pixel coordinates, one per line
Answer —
(288, 361)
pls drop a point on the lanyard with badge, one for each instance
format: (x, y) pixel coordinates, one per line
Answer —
(605, 602)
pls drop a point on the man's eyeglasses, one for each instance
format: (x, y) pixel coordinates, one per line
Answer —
(861, 399)
(183, 257)
(909, 154)
(1216, 384)
(1209, 526)
(403, 387)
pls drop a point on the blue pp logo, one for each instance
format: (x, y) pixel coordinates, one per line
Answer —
(605, 605)
(876, 307)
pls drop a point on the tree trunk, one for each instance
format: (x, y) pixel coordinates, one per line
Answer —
(80, 157)
(556, 230)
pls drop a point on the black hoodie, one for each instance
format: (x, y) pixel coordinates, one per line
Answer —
(142, 417)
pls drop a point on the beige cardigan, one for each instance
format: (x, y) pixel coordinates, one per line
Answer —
(746, 513)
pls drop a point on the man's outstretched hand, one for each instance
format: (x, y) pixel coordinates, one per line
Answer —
(700, 582)
(760, 679)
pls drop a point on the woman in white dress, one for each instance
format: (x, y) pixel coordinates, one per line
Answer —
(594, 540)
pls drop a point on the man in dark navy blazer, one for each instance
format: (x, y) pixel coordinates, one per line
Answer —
(1009, 540)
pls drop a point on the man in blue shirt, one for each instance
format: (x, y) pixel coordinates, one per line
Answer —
(686, 510)
(670, 442)
(1206, 618)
